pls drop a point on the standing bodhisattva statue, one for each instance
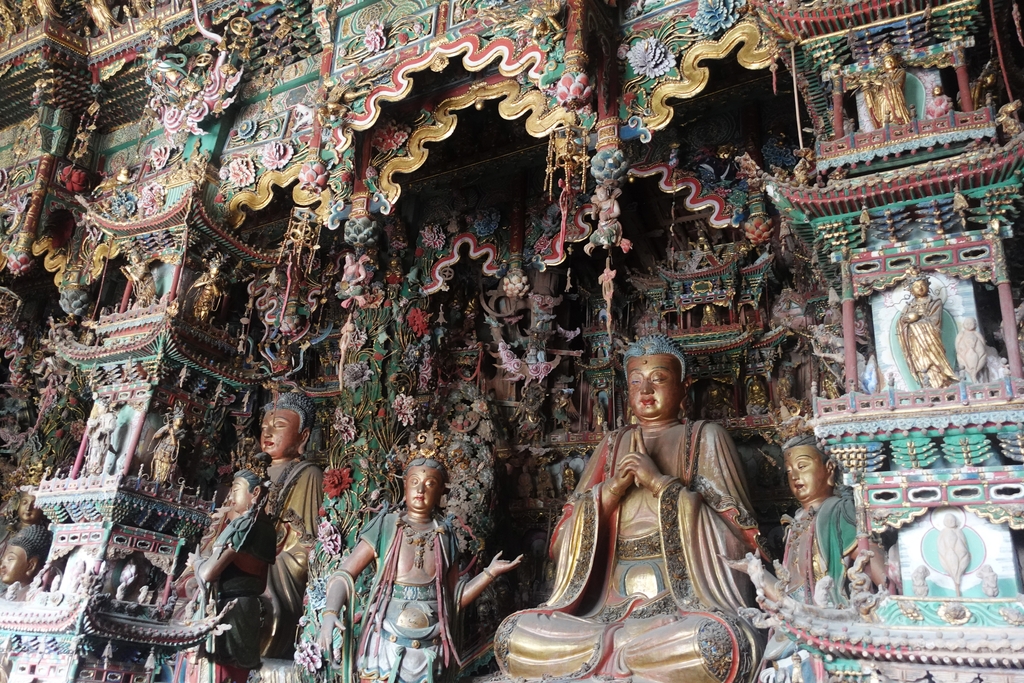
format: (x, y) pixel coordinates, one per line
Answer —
(642, 586)
(416, 596)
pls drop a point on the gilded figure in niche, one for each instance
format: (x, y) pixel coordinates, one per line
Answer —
(669, 501)
(883, 93)
(718, 402)
(416, 594)
(757, 397)
(208, 290)
(919, 330)
(166, 443)
(141, 277)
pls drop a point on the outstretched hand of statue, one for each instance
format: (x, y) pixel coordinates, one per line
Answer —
(752, 566)
(498, 566)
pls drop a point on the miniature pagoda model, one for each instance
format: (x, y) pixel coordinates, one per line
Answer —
(272, 271)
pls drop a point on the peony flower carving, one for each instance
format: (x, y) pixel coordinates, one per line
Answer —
(374, 38)
(241, 172)
(650, 58)
(276, 155)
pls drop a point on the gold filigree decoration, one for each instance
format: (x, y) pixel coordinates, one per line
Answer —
(514, 103)
(693, 77)
(109, 71)
(1011, 515)
(910, 610)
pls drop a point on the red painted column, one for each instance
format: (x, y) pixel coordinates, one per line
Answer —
(80, 458)
(849, 321)
(133, 438)
(837, 114)
(1010, 329)
(1002, 281)
(837, 108)
(963, 82)
(126, 297)
(176, 282)
(849, 345)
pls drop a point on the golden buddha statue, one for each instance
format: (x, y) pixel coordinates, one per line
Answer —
(293, 503)
(642, 585)
(919, 330)
(208, 291)
(887, 103)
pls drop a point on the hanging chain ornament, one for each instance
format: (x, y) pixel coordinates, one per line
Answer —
(303, 236)
(86, 127)
(567, 152)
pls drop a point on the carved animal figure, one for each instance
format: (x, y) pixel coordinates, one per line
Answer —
(989, 580)
(919, 578)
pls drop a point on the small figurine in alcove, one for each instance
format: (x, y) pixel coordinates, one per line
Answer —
(208, 290)
(919, 331)
(166, 443)
(100, 428)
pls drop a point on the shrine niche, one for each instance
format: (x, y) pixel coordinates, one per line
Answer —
(413, 340)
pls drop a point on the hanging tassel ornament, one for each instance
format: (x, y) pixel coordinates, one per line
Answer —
(86, 127)
(865, 223)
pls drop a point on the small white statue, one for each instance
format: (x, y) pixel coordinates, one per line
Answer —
(971, 352)
(100, 428)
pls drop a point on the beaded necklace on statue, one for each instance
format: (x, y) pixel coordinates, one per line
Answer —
(419, 540)
(803, 524)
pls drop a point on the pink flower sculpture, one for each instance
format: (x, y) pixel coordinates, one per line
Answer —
(573, 89)
(276, 155)
(374, 38)
(313, 176)
(241, 172)
(405, 409)
(390, 137)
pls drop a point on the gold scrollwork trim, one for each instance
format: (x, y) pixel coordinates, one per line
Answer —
(693, 77)
(1012, 515)
(893, 518)
(514, 103)
(55, 261)
(260, 197)
(474, 58)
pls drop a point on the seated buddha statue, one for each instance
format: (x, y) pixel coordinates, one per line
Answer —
(643, 588)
